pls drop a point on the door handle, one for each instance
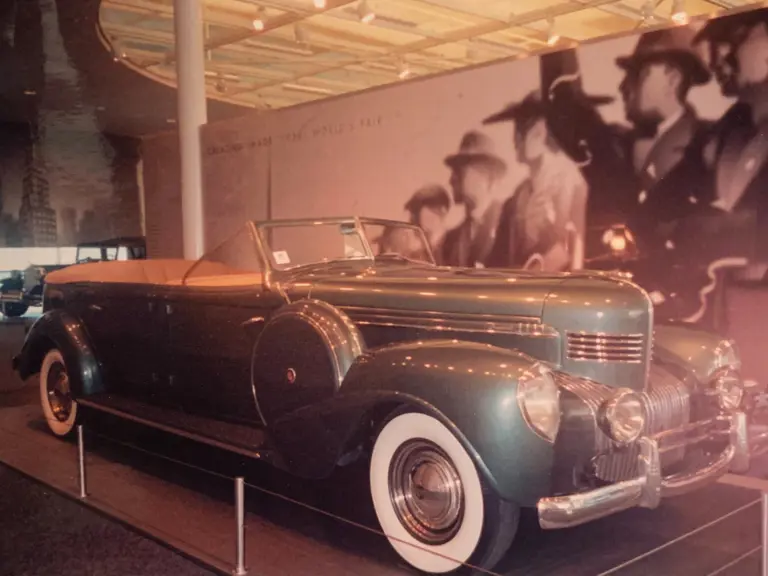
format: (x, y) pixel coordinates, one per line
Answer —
(95, 307)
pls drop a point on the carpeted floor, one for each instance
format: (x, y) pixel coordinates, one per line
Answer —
(45, 534)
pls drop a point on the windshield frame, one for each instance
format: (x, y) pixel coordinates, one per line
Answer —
(262, 229)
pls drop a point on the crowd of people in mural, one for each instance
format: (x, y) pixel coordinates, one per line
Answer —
(670, 197)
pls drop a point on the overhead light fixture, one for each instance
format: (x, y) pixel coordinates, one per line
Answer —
(403, 70)
(118, 53)
(220, 84)
(308, 89)
(260, 21)
(552, 36)
(472, 51)
(319, 3)
(649, 8)
(365, 13)
(300, 34)
(679, 15)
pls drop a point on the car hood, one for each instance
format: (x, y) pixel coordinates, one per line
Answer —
(436, 289)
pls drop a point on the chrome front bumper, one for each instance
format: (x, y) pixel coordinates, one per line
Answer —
(649, 487)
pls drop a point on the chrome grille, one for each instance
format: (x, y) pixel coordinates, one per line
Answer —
(668, 406)
(600, 347)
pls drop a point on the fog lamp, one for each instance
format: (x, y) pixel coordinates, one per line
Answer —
(728, 386)
(622, 417)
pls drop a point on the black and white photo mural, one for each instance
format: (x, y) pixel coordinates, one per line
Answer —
(643, 154)
(63, 180)
(676, 200)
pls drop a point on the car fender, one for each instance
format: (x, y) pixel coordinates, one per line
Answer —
(700, 352)
(59, 329)
(469, 387)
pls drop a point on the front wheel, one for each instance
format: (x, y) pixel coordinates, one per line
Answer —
(13, 309)
(431, 501)
(59, 407)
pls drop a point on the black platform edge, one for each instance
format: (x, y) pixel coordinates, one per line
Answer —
(103, 509)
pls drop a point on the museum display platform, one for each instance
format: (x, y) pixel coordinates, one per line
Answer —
(181, 494)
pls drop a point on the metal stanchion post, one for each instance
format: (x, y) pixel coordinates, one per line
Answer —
(81, 460)
(764, 534)
(240, 515)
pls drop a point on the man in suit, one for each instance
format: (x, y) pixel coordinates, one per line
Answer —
(624, 167)
(544, 221)
(732, 158)
(475, 169)
(657, 78)
(428, 209)
(725, 174)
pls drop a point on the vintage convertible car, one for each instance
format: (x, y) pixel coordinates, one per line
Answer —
(473, 393)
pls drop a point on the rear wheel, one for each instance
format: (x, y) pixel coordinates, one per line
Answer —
(431, 501)
(59, 406)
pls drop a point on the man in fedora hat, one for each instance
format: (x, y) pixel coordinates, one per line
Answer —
(475, 169)
(692, 206)
(428, 209)
(658, 76)
(726, 169)
(548, 210)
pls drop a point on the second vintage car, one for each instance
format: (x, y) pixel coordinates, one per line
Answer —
(471, 393)
(22, 290)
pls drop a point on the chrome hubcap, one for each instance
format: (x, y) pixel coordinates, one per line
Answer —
(426, 492)
(59, 396)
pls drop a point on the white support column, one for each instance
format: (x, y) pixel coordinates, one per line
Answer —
(192, 114)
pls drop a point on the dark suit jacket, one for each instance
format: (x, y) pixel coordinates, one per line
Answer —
(564, 196)
(657, 203)
(714, 233)
(459, 248)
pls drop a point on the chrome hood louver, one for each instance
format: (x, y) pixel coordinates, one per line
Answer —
(606, 328)
(602, 347)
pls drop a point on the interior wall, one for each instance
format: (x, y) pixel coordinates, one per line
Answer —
(162, 195)
(236, 181)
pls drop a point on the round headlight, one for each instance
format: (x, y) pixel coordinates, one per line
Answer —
(539, 399)
(622, 417)
(729, 388)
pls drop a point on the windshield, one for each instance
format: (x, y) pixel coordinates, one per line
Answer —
(292, 244)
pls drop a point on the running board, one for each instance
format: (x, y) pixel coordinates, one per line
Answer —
(249, 441)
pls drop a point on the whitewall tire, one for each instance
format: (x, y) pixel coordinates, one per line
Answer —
(430, 500)
(59, 407)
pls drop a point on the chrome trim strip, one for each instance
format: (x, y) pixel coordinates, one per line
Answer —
(451, 321)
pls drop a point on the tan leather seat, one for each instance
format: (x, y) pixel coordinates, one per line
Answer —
(124, 272)
(168, 272)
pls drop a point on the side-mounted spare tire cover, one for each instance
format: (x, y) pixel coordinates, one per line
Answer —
(302, 356)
